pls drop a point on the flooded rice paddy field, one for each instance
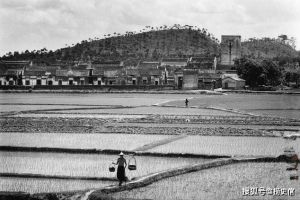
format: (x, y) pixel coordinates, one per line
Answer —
(18, 107)
(225, 182)
(81, 165)
(130, 99)
(87, 165)
(284, 105)
(79, 141)
(288, 104)
(211, 145)
(34, 185)
(77, 121)
(152, 110)
(288, 113)
(240, 146)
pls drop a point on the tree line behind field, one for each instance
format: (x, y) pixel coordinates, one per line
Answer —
(269, 72)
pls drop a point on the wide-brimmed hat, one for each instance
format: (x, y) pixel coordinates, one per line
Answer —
(121, 154)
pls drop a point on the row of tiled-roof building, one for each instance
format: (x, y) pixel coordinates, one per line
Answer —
(191, 73)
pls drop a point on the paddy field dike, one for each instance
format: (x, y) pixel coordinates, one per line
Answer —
(60, 145)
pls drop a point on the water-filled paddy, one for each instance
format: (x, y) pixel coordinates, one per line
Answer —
(83, 164)
(225, 182)
(215, 145)
(249, 146)
(212, 183)
(33, 185)
(129, 99)
(79, 141)
(288, 113)
(18, 108)
(152, 110)
(288, 104)
(95, 116)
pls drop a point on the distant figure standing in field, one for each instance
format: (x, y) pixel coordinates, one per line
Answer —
(295, 159)
(186, 102)
(121, 162)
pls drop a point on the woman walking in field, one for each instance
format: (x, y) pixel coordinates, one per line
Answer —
(121, 162)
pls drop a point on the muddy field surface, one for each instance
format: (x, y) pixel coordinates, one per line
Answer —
(87, 125)
(172, 119)
(226, 182)
(215, 131)
(112, 124)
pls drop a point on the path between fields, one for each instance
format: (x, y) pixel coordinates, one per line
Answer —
(159, 143)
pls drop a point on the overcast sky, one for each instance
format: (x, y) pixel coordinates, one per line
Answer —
(34, 24)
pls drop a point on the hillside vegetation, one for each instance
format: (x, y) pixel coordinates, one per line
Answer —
(177, 41)
(268, 48)
(149, 45)
(154, 43)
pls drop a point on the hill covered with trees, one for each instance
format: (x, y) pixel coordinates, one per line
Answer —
(150, 43)
(154, 43)
(270, 47)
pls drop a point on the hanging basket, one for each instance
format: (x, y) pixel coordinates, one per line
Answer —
(132, 163)
(111, 168)
(294, 177)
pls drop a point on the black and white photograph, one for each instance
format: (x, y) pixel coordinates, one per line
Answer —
(149, 99)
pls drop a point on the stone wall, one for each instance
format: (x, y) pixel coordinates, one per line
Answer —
(190, 81)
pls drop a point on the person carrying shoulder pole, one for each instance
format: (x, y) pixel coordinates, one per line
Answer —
(186, 102)
(121, 162)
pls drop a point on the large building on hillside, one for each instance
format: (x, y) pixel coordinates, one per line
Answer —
(230, 49)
